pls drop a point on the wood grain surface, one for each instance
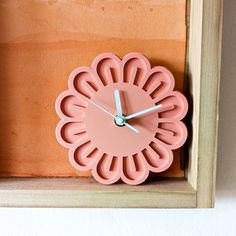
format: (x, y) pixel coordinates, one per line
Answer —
(204, 63)
(86, 192)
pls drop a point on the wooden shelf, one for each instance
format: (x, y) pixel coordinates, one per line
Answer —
(85, 192)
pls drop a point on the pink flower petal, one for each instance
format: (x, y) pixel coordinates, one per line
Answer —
(83, 155)
(158, 156)
(159, 83)
(70, 132)
(108, 169)
(83, 81)
(107, 68)
(175, 106)
(70, 105)
(135, 68)
(172, 134)
(135, 170)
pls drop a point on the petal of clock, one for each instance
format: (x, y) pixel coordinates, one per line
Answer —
(107, 67)
(172, 134)
(174, 106)
(83, 81)
(83, 155)
(158, 156)
(135, 68)
(70, 132)
(135, 170)
(159, 83)
(70, 105)
(108, 169)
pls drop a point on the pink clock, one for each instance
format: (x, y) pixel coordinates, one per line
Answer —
(121, 119)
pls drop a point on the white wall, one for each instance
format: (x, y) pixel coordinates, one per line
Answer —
(210, 222)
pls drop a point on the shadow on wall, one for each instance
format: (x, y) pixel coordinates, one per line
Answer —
(226, 166)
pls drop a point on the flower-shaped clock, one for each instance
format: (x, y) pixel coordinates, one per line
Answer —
(121, 119)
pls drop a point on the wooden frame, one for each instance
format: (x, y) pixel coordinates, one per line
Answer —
(197, 190)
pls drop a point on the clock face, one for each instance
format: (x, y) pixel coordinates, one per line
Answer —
(121, 119)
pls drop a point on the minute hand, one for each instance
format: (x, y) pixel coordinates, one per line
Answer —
(143, 112)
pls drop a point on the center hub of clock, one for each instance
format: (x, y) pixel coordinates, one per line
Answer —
(120, 120)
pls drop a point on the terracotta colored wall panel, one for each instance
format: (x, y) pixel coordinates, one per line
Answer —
(41, 42)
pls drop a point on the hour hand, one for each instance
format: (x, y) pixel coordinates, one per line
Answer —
(118, 102)
(143, 112)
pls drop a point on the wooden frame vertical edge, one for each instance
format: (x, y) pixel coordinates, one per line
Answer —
(204, 60)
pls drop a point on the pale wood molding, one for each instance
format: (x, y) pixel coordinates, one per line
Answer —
(204, 60)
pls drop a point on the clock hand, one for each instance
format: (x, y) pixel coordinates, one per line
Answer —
(109, 113)
(118, 103)
(103, 109)
(119, 110)
(131, 127)
(143, 112)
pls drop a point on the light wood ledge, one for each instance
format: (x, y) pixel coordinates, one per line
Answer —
(86, 192)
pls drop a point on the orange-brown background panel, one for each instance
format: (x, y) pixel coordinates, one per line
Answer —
(41, 42)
